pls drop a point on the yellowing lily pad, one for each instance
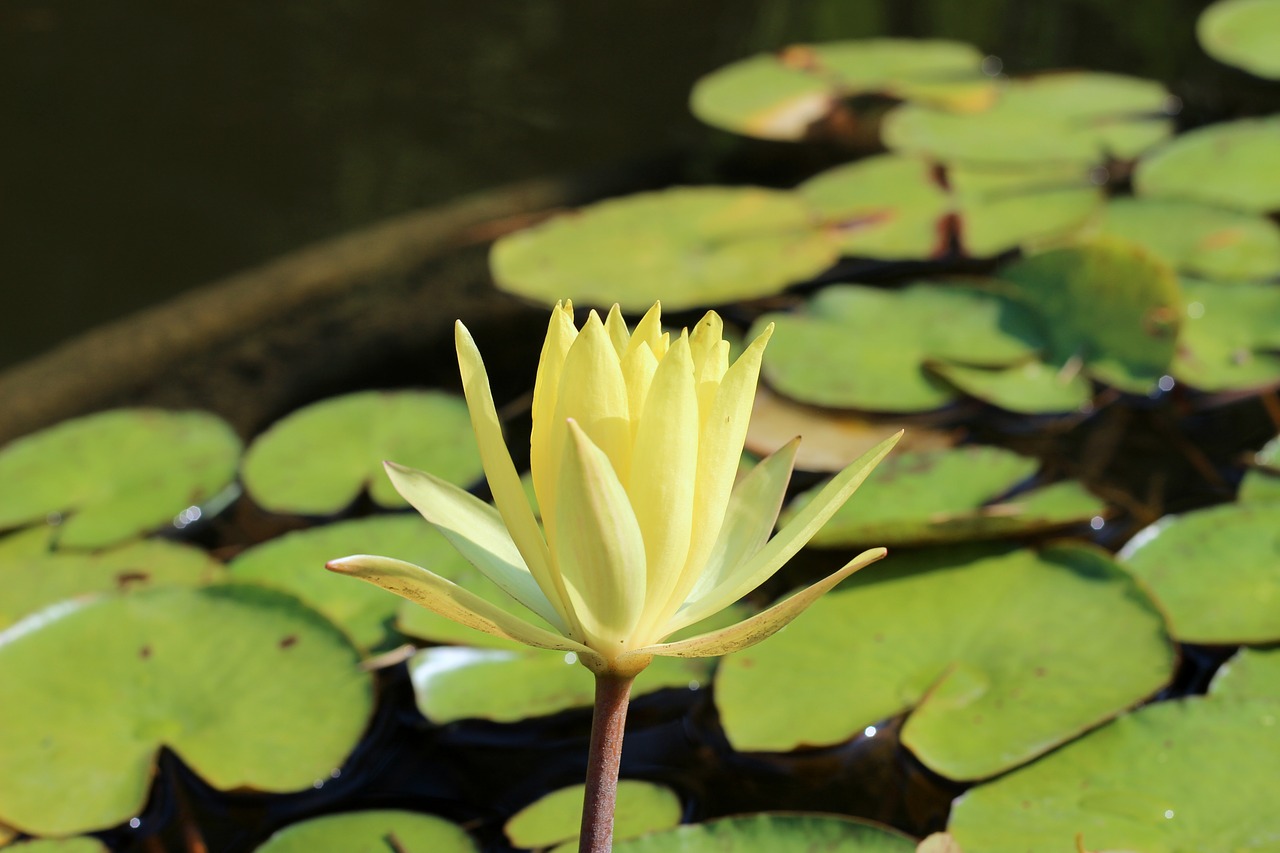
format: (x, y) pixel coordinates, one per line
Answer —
(1195, 774)
(252, 690)
(688, 247)
(865, 348)
(1216, 572)
(373, 831)
(773, 833)
(556, 817)
(1230, 339)
(780, 95)
(318, 459)
(997, 658)
(1249, 674)
(34, 581)
(1065, 117)
(1234, 165)
(1243, 33)
(111, 476)
(1107, 306)
(930, 497)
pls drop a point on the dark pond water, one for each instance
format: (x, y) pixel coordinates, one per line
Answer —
(148, 148)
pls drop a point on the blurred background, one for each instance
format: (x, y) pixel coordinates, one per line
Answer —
(149, 148)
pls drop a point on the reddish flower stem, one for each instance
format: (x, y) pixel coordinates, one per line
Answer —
(607, 722)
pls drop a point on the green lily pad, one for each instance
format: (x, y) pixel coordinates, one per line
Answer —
(1261, 483)
(79, 844)
(773, 833)
(318, 459)
(1249, 674)
(33, 581)
(1215, 572)
(556, 817)
(1196, 239)
(373, 831)
(1231, 337)
(888, 207)
(1235, 165)
(1029, 388)
(998, 658)
(1243, 33)
(864, 348)
(1011, 206)
(1066, 117)
(251, 689)
(931, 497)
(111, 476)
(295, 562)
(508, 684)
(688, 247)
(1195, 774)
(780, 95)
(1106, 305)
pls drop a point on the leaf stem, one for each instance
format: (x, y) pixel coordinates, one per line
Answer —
(605, 753)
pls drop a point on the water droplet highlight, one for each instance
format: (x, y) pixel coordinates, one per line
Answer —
(869, 731)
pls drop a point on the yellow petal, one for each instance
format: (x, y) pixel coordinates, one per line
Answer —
(561, 334)
(451, 601)
(705, 337)
(763, 625)
(648, 330)
(617, 329)
(638, 367)
(600, 551)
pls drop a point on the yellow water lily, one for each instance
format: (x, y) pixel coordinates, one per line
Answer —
(635, 447)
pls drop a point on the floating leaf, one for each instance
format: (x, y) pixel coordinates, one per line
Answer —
(33, 581)
(295, 563)
(1235, 164)
(1243, 33)
(864, 348)
(79, 844)
(773, 833)
(780, 95)
(1231, 337)
(688, 247)
(373, 831)
(1001, 656)
(1249, 674)
(115, 474)
(1195, 774)
(929, 497)
(249, 687)
(1215, 572)
(318, 459)
(1010, 206)
(1261, 483)
(1106, 305)
(555, 818)
(1029, 388)
(1067, 117)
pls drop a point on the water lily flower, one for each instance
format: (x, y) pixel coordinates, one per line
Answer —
(635, 446)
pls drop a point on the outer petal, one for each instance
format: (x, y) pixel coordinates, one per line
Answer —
(763, 625)
(755, 571)
(546, 392)
(476, 530)
(600, 550)
(451, 601)
(504, 482)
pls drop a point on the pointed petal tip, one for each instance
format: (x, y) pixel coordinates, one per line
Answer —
(343, 565)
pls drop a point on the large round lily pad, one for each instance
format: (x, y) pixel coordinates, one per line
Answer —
(374, 831)
(33, 581)
(1216, 572)
(780, 95)
(1065, 117)
(1261, 483)
(1007, 206)
(1234, 165)
(773, 833)
(251, 689)
(1195, 774)
(110, 476)
(1249, 674)
(688, 247)
(556, 817)
(1106, 305)
(998, 658)
(929, 497)
(78, 844)
(318, 459)
(1030, 387)
(1230, 339)
(865, 348)
(1243, 33)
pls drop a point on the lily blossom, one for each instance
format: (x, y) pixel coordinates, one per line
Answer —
(634, 450)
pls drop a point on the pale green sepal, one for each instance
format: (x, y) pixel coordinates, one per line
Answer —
(789, 540)
(476, 530)
(763, 625)
(451, 601)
